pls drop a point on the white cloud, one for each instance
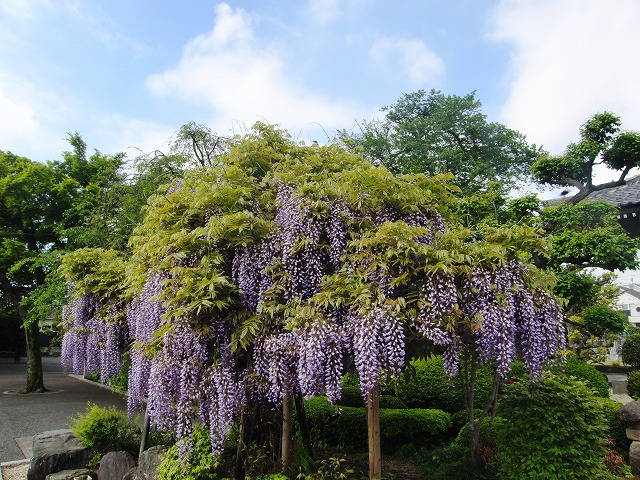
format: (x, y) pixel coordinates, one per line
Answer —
(28, 112)
(570, 59)
(131, 136)
(410, 57)
(245, 80)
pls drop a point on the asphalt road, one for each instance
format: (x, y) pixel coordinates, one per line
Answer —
(22, 416)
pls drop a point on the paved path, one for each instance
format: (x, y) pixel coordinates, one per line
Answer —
(22, 416)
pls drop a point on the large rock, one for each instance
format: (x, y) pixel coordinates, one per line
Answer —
(147, 464)
(76, 474)
(114, 465)
(55, 451)
(630, 412)
(633, 432)
(634, 457)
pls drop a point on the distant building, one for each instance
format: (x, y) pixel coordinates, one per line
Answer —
(629, 303)
(627, 198)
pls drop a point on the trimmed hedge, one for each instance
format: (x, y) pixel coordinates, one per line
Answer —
(346, 427)
(352, 397)
(425, 385)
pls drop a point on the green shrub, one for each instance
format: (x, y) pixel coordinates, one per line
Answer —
(425, 385)
(201, 465)
(586, 372)
(631, 350)
(346, 427)
(106, 430)
(633, 384)
(553, 429)
(572, 367)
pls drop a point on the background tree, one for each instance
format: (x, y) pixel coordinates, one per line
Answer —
(33, 201)
(198, 144)
(602, 142)
(435, 133)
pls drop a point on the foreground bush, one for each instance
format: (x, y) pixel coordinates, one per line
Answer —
(573, 367)
(586, 372)
(109, 430)
(200, 466)
(554, 429)
(346, 427)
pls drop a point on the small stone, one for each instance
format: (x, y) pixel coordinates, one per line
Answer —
(75, 474)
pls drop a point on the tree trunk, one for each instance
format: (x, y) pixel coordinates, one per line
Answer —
(373, 427)
(35, 381)
(287, 432)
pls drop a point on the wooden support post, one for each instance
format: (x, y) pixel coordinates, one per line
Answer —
(373, 426)
(287, 432)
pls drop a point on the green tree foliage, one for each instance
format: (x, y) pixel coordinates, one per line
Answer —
(587, 235)
(46, 209)
(436, 133)
(601, 142)
(33, 200)
(601, 319)
(581, 237)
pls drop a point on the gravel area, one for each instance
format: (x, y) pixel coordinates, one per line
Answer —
(15, 471)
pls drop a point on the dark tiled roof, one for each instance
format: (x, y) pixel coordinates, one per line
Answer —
(630, 291)
(621, 196)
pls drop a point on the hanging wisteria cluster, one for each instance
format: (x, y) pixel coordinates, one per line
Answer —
(144, 315)
(378, 346)
(499, 314)
(92, 340)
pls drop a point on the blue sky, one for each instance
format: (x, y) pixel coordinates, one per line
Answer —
(129, 73)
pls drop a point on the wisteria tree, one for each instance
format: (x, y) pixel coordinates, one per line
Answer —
(252, 280)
